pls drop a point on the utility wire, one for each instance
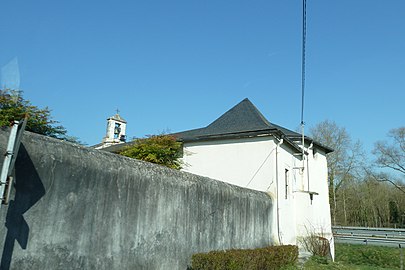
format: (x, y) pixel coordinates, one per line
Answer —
(304, 33)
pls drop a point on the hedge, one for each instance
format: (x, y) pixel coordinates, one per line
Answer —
(272, 257)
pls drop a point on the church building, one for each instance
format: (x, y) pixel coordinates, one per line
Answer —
(243, 148)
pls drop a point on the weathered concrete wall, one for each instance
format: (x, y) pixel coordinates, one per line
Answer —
(80, 208)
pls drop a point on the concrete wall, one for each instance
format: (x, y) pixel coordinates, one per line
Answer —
(80, 208)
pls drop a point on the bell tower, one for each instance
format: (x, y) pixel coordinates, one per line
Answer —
(116, 127)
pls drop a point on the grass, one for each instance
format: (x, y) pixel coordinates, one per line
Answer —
(357, 257)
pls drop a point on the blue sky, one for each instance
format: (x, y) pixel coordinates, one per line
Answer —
(177, 65)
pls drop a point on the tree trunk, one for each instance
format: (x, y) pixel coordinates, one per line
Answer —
(344, 208)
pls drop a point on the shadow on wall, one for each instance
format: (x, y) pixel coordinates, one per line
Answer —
(28, 191)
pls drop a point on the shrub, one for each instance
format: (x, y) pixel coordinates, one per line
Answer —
(273, 257)
(317, 245)
(159, 149)
(316, 242)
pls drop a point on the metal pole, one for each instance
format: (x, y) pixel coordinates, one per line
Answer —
(13, 146)
(8, 158)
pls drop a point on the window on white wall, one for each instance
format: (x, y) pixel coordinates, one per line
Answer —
(286, 183)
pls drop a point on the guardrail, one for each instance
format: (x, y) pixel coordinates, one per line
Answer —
(374, 236)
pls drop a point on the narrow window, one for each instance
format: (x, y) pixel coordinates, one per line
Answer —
(286, 183)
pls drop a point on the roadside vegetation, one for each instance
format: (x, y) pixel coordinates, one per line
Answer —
(271, 257)
(347, 257)
(360, 257)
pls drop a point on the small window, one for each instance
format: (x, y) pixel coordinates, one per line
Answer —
(286, 183)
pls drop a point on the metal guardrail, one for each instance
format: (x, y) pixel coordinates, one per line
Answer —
(391, 237)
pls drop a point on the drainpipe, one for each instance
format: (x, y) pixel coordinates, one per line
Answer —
(278, 204)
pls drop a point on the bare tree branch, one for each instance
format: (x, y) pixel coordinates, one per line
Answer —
(383, 178)
(391, 154)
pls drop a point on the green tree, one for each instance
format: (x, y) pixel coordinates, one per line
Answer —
(13, 107)
(160, 149)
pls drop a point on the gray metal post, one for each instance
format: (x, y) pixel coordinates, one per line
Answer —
(8, 158)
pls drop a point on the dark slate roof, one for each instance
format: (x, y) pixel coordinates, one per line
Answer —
(243, 120)
(244, 117)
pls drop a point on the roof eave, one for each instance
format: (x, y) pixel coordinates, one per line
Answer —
(246, 134)
(231, 135)
(317, 144)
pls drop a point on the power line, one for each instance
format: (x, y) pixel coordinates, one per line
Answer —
(304, 33)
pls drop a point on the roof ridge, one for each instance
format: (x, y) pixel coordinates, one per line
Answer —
(243, 115)
(261, 115)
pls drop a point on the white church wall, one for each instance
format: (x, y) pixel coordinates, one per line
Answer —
(255, 163)
(251, 163)
(242, 162)
(314, 216)
(286, 162)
